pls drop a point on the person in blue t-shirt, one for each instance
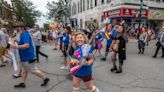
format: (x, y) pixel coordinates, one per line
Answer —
(112, 33)
(85, 72)
(98, 42)
(66, 41)
(27, 56)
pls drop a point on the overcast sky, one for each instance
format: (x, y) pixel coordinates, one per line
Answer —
(41, 6)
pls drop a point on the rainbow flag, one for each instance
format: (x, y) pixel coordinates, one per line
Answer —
(122, 22)
(107, 35)
(74, 65)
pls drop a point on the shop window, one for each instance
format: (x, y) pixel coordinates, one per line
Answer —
(87, 4)
(83, 5)
(95, 2)
(102, 1)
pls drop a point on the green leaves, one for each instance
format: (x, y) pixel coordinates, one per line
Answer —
(58, 9)
(24, 10)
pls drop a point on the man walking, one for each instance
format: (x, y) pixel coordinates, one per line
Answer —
(160, 44)
(27, 57)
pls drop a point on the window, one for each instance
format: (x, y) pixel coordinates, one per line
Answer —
(95, 2)
(102, 1)
(87, 4)
(78, 7)
(83, 5)
(91, 4)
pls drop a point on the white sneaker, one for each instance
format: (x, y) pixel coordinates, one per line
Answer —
(97, 90)
(64, 67)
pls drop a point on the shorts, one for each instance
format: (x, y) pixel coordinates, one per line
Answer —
(85, 78)
(2, 51)
(65, 51)
(96, 45)
(29, 67)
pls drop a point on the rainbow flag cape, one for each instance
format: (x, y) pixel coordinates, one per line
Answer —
(74, 65)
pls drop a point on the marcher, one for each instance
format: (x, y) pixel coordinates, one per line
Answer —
(143, 36)
(85, 72)
(66, 42)
(37, 37)
(3, 45)
(27, 56)
(160, 43)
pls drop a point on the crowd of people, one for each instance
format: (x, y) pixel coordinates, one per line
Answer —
(22, 47)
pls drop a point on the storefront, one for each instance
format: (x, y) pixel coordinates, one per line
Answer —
(156, 18)
(130, 15)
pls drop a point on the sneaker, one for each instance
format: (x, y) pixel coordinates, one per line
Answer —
(119, 71)
(55, 49)
(64, 67)
(97, 90)
(113, 69)
(16, 76)
(45, 82)
(153, 56)
(20, 85)
(103, 59)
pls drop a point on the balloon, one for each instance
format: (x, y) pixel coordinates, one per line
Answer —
(55, 25)
(50, 25)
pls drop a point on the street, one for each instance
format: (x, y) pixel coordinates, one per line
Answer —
(141, 73)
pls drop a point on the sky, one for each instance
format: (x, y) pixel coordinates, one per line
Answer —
(41, 6)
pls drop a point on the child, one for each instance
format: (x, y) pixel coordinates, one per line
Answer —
(98, 43)
(85, 72)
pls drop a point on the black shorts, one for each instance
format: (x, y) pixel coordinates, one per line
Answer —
(85, 78)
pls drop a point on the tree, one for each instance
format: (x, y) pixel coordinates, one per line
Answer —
(24, 10)
(46, 26)
(58, 9)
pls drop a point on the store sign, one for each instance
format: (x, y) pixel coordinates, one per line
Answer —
(157, 14)
(126, 12)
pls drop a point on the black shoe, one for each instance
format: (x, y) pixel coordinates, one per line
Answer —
(113, 69)
(2, 65)
(103, 59)
(119, 71)
(142, 52)
(45, 82)
(153, 56)
(162, 56)
(20, 85)
(139, 52)
(55, 49)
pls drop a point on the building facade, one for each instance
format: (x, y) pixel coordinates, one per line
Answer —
(152, 11)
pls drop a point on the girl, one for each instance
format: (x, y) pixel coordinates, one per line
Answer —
(85, 72)
(98, 42)
(142, 40)
(66, 42)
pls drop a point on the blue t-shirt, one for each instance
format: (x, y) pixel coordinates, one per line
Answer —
(28, 53)
(99, 36)
(113, 34)
(84, 70)
(66, 39)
